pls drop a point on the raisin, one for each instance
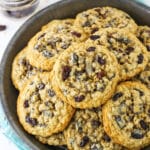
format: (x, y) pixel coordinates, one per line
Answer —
(143, 124)
(91, 49)
(94, 30)
(129, 50)
(42, 35)
(101, 61)
(2, 27)
(51, 93)
(84, 141)
(41, 86)
(32, 121)
(76, 34)
(101, 74)
(95, 123)
(75, 57)
(29, 67)
(94, 37)
(106, 138)
(52, 44)
(79, 98)
(117, 95)
(65, 72)
(148, 47)
(47, 54)
(140, 59)
(137, 135)
(26, 104)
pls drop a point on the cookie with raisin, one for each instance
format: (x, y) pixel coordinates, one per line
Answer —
(126, 115)
(104, 17)
(47, 44)
(22, 70)
(131, 54)
(85, 75)
(86, 132)
(39, 109)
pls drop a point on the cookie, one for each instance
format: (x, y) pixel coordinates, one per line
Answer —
(126, 115)
(85, 75)
(22, 70)
(55, 139)
(143, 35)
(86, 132)
(104, 17)
(129, 51)
(39, 109)
(46, 45)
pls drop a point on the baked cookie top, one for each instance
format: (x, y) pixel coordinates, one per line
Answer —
(143, 35)
(86, 132)
(126, 115)
(129, 51)
(85, 75)
(22, 70)
(54, 139)
(39, 109)
(104, 17)
(47, 44)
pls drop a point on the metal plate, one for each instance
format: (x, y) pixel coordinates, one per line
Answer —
(60, 10)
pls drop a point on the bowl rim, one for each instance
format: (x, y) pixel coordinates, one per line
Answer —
(5, 109)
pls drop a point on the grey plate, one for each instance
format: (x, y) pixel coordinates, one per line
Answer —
(64, 9)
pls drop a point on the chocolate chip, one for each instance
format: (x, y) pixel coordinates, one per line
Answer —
(75, 57)
(86, 24)
(121, 123)
(141, 39)
(77, 34)
(143, 124)
(65, 72)
(22, 61)
(41, 86)
(51, 93)
(140, 59)
(80, 129)
(42, 35)
(79, 98)
(94, 147)
(129, 50)
(47, 54)
(94, 30)
(106, 138)
(65, 45)
(117, 95)
(95, 123)
(101, 74)
(148, 47)
(29, 67)
(52, 44)
(2, 27)
(101, 61)
(26, 104)
(84, 141)
(32, 121)
(94, 37)
(149, 78)
(137, 134)
(91, 49)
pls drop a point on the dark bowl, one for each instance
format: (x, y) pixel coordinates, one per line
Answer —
(60, 10)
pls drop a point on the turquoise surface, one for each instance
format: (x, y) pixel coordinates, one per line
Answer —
(7, 130)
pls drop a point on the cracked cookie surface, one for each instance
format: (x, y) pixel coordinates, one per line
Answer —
(86, 132)
(22, 70)
(39, 109)
(132, 56)
(85, 75)
(126, 115)
(47, 44)
(104, 17)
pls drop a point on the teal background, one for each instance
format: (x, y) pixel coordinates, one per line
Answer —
(7, 130)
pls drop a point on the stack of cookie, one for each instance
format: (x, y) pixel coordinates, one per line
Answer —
(72, 78)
